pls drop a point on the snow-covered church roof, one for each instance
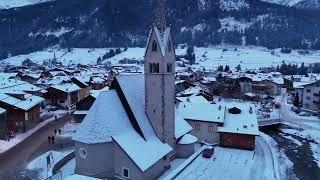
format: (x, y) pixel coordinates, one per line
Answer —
(108, 120)
(162, 38)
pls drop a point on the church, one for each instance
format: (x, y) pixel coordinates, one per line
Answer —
(131, 131)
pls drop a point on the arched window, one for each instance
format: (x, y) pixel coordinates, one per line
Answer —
(169, 46)
(154, 68)
(154, 45)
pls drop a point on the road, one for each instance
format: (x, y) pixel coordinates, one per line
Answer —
(304, 165)
(14, 161)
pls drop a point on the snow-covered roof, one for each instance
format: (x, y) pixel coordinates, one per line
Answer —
(103, 120)
(143, 153)
(162, 38)
(2, 110)
(188, 139)
(181, 126)
(243, 123)
(191, 90)
(67, 87)
(203, 112)
(80, 112)
(25, 104)
(107, 121)
(79, 177)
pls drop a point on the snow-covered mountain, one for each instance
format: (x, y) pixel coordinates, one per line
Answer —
(307, 4)
(7, 4)
(119, 23)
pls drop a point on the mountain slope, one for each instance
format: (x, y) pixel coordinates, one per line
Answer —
(304, 4)
(6, 4)
(103, 23)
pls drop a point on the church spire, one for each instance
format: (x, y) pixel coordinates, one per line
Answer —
(160, 15)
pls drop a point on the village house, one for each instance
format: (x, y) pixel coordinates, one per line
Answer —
(310, 96)
(83, 83)
(23, 108)
(131, 131)
(3, 123)
(204, 118)
(240, 127)
(64, 95)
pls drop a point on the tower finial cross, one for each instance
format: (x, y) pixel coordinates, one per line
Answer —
(160, 15)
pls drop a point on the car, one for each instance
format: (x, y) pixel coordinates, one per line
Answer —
(304, 114)
(207, 153)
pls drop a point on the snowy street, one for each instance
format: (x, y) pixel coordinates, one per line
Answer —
(14, 161)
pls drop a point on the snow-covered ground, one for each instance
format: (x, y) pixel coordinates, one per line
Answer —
(224, 164)
(6, 145)
(291, 118)
(210, 58)
(281, 162)
(6, 4)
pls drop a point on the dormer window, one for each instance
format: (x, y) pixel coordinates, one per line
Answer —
(154, 45)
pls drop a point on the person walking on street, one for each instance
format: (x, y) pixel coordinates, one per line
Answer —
(52, 139)
(49, 139)
(59, 131)
(55, 131)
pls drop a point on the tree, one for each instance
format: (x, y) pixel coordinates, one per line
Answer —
(220, 68)
(227, 68)
(238, 68)
(118, 51)
(99, 60)
(296, 101)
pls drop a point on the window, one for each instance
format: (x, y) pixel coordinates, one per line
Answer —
(197, 127)
(83, 153)
(308, 90)
(61, 101)
(308, 97)
(169, 67)
(154, 45)
(154, 68)
(169, 46)
(211, 129)
(125, 172)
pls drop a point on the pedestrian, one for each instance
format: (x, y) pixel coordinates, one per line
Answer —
(55, 117)
(59, 131)
(52, 139)
(55, 131)
(49, 139)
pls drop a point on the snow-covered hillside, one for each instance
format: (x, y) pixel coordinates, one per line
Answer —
(210, 58)
(309, 4)
(7, 4)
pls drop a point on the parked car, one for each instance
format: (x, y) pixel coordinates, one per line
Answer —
(207, 153)
(304, 114)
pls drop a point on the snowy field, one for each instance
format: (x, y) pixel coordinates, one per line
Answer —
(210, 58)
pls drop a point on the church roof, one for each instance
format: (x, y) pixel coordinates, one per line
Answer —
(162, 38)
(108, 120)
(103, 120)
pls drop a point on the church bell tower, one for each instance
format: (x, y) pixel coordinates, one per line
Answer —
(160, 77)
